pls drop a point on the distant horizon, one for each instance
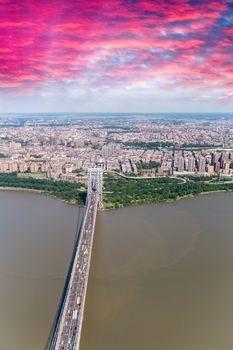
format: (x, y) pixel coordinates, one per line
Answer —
(114, 113)
(167, 116)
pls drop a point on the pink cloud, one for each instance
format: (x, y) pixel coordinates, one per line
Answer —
(114, 42)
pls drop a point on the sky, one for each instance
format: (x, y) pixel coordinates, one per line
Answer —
(116, 56)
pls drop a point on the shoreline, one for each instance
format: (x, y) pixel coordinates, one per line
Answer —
(21, 189)
(171, 200)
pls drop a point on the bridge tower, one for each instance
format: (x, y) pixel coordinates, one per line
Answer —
(95, 182)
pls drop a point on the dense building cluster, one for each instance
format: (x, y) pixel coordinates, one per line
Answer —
(207, 162)
(63, 148)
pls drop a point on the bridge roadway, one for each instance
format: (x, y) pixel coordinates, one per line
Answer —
(67, 333)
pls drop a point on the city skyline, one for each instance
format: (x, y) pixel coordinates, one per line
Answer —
(116, 56)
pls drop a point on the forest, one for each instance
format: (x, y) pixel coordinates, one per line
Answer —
(68, 191)
(119, 192)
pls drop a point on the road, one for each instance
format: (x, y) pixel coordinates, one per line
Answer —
(68, 331)
(149, 177)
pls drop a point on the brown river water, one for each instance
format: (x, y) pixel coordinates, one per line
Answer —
(161, 275)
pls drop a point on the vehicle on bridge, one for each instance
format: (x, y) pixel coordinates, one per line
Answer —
(67, 330)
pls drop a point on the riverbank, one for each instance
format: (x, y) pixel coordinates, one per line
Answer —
(37, 238)
(72, 202)
(170, 200)
(20, 189)
(119, 193)
(69, 192)
(176, 259)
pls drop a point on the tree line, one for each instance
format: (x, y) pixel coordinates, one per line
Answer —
(68, 191)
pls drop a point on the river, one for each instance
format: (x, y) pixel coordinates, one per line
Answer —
(36, 241)
(160, 278)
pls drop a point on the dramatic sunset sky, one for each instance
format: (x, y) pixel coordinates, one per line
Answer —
(116, 55)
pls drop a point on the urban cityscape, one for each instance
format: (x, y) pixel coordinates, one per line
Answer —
(116, 174)
(64, 149)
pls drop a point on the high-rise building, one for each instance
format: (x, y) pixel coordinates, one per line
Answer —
(217, 167)
(180, 164)
(226, 168)
(216, 157)
(111, 149)
(34, 167)
(105, 152)
(44, 167)
(13, 167)
(53, 141)
(212, 159)
(4, 167)
(191, 164)
(210, 170)
(202, 165)
(23, 166)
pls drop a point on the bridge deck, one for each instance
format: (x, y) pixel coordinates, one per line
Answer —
(68, 331)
